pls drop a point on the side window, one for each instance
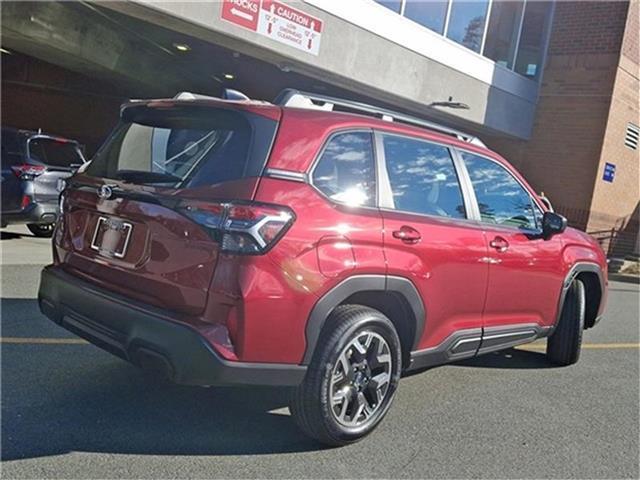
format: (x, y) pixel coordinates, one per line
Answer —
(502, 200)
(422, 177)
(346, 171)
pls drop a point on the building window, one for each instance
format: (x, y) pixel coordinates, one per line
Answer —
(502, 32)
(631, 138)
(394, 5)
(431, 14)
(515, 36)
(532, 38)
(467, 23)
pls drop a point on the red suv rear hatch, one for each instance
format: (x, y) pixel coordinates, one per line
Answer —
(128, 221)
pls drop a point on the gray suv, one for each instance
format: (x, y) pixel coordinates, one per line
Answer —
(34, 167)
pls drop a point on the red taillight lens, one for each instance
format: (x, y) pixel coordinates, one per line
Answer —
(27, 172)
(26, 201)
(244, 229)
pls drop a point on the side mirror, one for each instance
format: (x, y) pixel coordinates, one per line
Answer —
(552, 224)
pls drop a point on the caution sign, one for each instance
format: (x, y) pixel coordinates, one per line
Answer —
(277, 21)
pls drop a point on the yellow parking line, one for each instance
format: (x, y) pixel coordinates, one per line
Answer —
(587, 346)
(43, 341)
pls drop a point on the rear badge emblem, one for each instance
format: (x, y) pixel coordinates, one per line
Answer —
(105, 192)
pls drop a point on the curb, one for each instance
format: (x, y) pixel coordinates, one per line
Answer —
(620, 277)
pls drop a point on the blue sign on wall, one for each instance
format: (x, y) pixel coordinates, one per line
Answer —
(609, 172)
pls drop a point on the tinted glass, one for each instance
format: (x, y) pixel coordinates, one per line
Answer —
(502, 33)
(431, 14)
(502, 200)
(185, 148)
(423, 178)
(530, 49)
(346, 170)
(56, 153)
(394, 5)
(467, 22)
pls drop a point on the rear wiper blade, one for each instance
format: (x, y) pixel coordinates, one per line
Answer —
(139, 176)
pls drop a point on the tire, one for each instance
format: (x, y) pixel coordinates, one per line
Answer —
(563, 347)
(43, 230)
(327, 406)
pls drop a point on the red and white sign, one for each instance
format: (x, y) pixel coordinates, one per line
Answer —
(242, 12)
(277, 21)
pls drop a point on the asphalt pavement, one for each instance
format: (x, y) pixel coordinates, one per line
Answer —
(70, 410)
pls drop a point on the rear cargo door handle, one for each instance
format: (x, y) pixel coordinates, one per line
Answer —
(499, 243)
(407, 234)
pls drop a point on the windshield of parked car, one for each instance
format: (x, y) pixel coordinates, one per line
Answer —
(54, 152)
(185, 148)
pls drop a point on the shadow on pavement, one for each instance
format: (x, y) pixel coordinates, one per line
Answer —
(62, 398)
(10, 235)
(112, 407)
(510, 359)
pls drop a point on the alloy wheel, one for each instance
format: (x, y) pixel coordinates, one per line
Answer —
(360, 379)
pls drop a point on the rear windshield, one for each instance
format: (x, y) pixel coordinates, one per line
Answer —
(185, 147)
(55, 153)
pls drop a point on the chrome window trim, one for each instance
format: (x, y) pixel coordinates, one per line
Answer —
(318, 157)
(282, 174)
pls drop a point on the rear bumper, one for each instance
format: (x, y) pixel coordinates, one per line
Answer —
(149, 337)
(36, 213)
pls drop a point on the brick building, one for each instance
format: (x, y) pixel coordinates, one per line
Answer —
(551, 85)
(585, 119)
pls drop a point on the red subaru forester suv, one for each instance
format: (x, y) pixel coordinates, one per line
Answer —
(314, 243)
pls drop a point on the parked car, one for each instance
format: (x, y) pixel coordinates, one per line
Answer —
(293, 244)
(34, 165)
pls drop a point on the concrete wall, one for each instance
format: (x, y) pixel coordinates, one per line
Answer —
(37, 94)
(354, 58)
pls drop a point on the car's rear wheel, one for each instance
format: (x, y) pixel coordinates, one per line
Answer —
(563, 347)
(352, 378)
(44, 230)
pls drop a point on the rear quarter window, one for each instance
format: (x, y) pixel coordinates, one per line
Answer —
(345, 171)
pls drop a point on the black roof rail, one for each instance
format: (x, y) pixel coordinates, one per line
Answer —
(297, 99)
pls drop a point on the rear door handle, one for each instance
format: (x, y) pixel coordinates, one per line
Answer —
(499, 243)
(407, 234)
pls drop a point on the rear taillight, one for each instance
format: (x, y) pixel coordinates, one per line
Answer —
(241, 228)
(28, 172)
(26, 201)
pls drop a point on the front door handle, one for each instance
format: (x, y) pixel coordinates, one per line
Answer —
(407, 234)
(500, 244)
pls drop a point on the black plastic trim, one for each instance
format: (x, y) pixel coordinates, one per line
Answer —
(141, 334)
(353, 285)
(476, 341)
(457, 346)
(577, 269)
(499, 338)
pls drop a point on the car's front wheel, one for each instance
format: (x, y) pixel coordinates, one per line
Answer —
(352, 378)
(44, 230)
(563, 347)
